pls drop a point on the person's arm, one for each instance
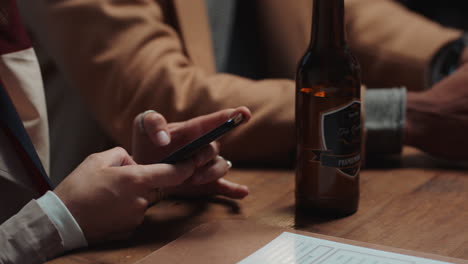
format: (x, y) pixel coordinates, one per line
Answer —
(41, 230)
(434, 120)
(437, 119)
(30, 236)
(125, 59)
(110, 187)
(393, 44)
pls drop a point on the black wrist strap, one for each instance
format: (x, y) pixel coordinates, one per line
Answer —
(446, 60)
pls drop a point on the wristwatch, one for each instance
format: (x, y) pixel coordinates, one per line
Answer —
(446, 60)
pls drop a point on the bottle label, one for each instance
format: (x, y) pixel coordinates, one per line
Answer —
(341, 138)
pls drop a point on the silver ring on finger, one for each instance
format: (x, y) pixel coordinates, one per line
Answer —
(141, 118)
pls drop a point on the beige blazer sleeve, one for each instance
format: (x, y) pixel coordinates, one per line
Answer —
(29, 237)
(125, 59)
(393, 44)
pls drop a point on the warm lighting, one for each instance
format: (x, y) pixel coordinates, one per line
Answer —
(306, 90)
(320, 94)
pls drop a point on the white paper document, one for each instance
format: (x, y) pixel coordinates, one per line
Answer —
(289, 248)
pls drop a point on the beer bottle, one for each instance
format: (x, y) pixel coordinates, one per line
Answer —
(328, 119)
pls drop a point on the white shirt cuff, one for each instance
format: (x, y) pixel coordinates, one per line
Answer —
(68, 228)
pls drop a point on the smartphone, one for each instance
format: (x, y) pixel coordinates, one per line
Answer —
(188, 150)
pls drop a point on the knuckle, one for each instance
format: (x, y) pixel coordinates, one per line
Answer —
(95, 158)
(142, 175)
(120, 151)
(135, 179)
(141, 204)
(174, 174)
(177, 174)
(129, 178)
(216, 172)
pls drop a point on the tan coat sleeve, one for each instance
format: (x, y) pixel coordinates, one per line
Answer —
(125, 59)
(393, 44)
(29, 237)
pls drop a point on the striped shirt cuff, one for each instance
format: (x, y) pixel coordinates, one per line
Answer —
(385, 119)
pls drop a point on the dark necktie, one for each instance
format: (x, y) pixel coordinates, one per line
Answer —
(12, 126)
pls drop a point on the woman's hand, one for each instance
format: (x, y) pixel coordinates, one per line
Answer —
(154, 139)
(108, 193)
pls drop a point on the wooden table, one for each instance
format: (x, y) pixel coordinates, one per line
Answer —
(415, 203)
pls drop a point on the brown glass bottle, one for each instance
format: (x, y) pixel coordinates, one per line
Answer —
(328, 119)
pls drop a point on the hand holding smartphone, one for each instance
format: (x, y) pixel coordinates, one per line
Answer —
(191, 148)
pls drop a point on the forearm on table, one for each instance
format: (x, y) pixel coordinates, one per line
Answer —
(41, 230)
(29, 237)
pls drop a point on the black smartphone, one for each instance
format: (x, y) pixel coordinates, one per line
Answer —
(188, 150)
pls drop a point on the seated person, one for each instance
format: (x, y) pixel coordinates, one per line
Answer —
(39, 222)
(159, 55)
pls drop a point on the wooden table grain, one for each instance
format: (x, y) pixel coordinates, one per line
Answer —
(414, 202)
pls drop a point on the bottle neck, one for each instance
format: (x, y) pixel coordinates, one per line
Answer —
(328, 25)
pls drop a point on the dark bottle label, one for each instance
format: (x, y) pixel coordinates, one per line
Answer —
(341, 138)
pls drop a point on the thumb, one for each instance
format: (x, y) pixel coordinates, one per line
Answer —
(151, 126)
(149, 133)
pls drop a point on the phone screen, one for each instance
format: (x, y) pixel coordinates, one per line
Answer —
(188, 150)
